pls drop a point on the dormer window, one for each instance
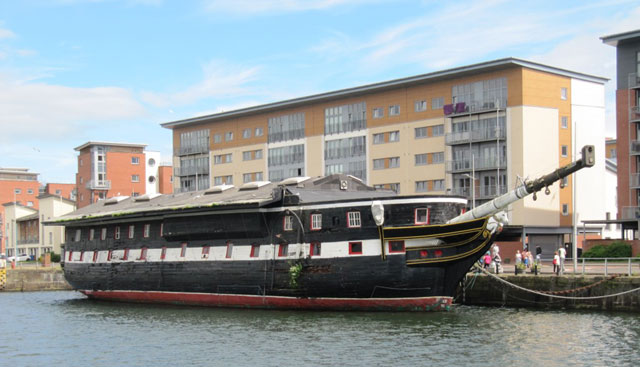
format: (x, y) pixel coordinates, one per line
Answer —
(422, 216)
(288, 223)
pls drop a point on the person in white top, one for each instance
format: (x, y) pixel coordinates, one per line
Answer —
(563, 254)
(518, 257)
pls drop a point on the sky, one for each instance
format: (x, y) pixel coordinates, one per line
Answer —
(73, 71)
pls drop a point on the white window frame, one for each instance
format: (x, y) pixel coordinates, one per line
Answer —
(103, 234)
(116, 233)
(378, 138)
(316, 222)
(135, 160)
(147, 230)
(421, 129)
(246, 133)
(78, 235)
(287, 223)
(426, 216)
(394, 136)
(354, 220)
(564, 94)
(420, 105)
(377, 113)
(132, 231)
(564, 122)
(135, 178)
(394, 110)
(92, 233)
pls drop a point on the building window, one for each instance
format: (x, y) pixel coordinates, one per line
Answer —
(422, 216)
(394, 136)
(92, 233)
(247, 156)
(135, 160)
(217, 138)
(565, 122)
(421, 186)
(135, 178)
(316, 222)
(394, 110)
(565, 209)
(147, 230)
(259, 131)
(564, 151)
(255, 250)
(228, 136)
(246, 133)
(30, 191)
(29, 203)
(103, 234)
(563, 94)
(314, 249)
(353, 219)
(420, 105)
(421, 159)
(396, 247)
(286, 127)
(378, 163)
(132, 230)
(223, 180)
(257, 154)
(116, 233)
(394, 162)
(183, 249)
(437, 157)
(378, 113)
(355, 248)
(17, 191)
(437, 130)
(283, 250)
(378, 138)
(437, 103)
(438, 185)
(420, 132)
(288, 223)
(565, 181)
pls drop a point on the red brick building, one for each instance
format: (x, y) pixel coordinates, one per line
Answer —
(20, 186)
(67, 191)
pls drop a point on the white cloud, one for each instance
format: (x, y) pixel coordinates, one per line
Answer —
(219, 80)
(245, 7)
(5, 33)
(47, 111)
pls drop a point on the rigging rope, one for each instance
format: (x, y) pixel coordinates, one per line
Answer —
(555, 295)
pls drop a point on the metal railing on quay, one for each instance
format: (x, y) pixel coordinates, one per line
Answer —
(629, 266)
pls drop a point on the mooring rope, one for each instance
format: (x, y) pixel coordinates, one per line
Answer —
(555, 295)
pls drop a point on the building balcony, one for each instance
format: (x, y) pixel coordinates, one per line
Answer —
(634, 147)
(465, 137)
(490, 192)
(193, 149)
(634, 114)
(480, 164)
(190, 171)
(28, 241)
(99, 185)
(461, 191)
(630, 212)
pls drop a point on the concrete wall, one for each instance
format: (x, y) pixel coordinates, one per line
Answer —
(43, 279)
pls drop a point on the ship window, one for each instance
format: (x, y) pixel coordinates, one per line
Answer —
(147, 230)
(314, 249)
(109, 255)
(255, 250)
(126, 254)
(92, 234)
(95, 256)
(81, 255)
(103, 234)
(316, 222)
(396, 246)
(161, 228)
(353, 219)
(163, 253)
(229, 250)
(132, 230)
(70, 256)
(78, 235)
(288, 223)
(355, 248)
(143, 253)
(183, 250)
(422, 216)
(283, 249)
(116, 233)
(205, 252)
(335, 221)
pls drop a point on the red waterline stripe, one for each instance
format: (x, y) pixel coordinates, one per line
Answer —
(276, 302)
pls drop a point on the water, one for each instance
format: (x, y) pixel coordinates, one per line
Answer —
(66, 329)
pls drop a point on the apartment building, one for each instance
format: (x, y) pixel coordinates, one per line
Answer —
(476, 131)
(25, 230)
(67, 191)
(17, 185)
(627, 121)
(108, 169)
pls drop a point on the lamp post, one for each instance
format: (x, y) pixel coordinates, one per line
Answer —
(472, 178)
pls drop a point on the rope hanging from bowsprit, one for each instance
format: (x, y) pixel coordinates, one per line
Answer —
(556, 294)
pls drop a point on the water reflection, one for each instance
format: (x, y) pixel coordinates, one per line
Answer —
(67, 329)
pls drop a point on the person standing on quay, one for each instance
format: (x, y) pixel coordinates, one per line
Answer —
(563, 253)
(556, 261)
